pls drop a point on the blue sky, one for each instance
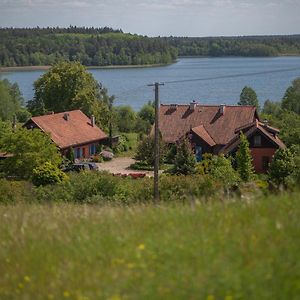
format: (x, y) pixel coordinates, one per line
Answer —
(159, 17)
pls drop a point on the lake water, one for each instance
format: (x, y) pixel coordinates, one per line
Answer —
(207, 80)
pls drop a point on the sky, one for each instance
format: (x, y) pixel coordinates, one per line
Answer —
(159, 17)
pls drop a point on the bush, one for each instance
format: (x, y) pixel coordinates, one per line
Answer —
(145, 150)
(15, 191)
(282, 166)
(184, 160)
(47, 174)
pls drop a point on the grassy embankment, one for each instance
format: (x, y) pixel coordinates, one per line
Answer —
(234, 250)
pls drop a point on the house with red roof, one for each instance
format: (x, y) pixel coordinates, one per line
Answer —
(216, 129)
(71, 130)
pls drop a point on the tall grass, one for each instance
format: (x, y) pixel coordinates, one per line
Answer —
(233, 250)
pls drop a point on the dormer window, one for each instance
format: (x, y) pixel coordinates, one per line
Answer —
(257, 141)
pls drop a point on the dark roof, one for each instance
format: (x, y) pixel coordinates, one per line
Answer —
(65, 132)
(201, 132)
(249, 130)
(176, 121)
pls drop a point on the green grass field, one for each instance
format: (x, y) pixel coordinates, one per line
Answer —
(234, 250)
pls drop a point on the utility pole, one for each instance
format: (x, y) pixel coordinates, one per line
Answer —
(156, 143)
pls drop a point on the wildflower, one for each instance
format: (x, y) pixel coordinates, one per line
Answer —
(141, 247)
(115, 297)
(20, 285)
(66, 294)
(26, 278)
(130, 265)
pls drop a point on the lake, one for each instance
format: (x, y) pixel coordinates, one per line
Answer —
(207, 80)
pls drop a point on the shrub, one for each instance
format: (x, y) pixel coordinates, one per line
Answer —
(184, 160)
(244, 160)
(282, 166)
(145, 150)
(47, 174)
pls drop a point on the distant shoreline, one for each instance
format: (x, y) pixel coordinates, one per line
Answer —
(45, 68)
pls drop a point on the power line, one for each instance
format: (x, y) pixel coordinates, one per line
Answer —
(232, 76)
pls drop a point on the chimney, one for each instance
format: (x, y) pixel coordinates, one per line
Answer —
(222, 109)
(92, 120)
(173, 106)
(66, 116)
(193, 105)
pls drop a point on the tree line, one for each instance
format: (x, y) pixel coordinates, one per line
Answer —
(106, 46)
(89, 46)
(236, 46)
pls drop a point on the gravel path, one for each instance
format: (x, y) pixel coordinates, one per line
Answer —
(120, 165)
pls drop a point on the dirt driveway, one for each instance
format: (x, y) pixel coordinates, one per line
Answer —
(120, 165)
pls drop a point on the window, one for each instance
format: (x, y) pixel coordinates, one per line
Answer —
(92, 149)
(265, 162)
(257, 140)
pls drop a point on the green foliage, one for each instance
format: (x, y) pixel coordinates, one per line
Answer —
(89, 46)
(145, 118)
(184, 160)
(244, 160)
(30, 149)
(47, 174)
(272, 108)
(145, 150)
(126, 118)
(123, 145)
(11, 102)
(171, 153)
(291, 99)
(12, 192)
(236, 46)
(221, 170)
(282, 166)
(248, 97)
(217, 250)
(68, 86)
(70, 155)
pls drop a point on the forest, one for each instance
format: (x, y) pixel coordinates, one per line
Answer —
(89, 46)
(106, 46)
(236, 46)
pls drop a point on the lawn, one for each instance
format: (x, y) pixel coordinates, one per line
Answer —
(234, 250)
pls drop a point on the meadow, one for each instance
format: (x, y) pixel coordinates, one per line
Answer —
(235, 249)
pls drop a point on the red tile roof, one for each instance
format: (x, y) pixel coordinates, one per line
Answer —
(176, 121)
(204, 135)
(77, 130)
(249, 130)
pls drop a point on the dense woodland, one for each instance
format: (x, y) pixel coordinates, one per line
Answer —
(106, 46)
(237, 46)
(91, 47)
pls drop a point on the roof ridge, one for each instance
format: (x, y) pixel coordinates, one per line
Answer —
(209, 105)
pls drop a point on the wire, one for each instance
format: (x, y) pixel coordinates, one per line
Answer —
(232, 76)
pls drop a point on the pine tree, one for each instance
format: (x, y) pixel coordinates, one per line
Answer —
(244, 160)
(248, 97)
(184, 161)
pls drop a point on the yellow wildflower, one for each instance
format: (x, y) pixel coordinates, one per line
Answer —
(20, 285)
(141, 247)
(26, 278)
(66, 294)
